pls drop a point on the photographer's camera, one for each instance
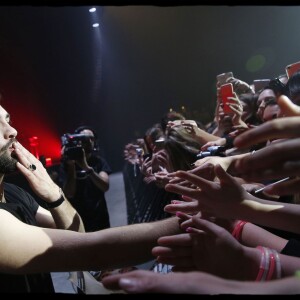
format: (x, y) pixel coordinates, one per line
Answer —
(73, 145)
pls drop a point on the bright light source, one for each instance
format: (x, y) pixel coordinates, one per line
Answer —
(96, 25)
(92, 9)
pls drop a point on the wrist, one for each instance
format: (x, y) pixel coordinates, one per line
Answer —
(252, 263)
(270, 266)
(56, 203)
(238, 229)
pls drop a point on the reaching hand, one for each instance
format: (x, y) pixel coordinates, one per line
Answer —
(239, 86)
(206, 247)
(237, 109)
(146, 168)
(205, 170)
(221, 199)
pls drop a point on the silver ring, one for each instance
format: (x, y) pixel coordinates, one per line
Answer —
(32, 167)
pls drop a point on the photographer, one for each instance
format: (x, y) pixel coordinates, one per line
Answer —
(85, 177)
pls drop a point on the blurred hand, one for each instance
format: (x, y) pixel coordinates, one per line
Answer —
(146, 167)
(239, 86)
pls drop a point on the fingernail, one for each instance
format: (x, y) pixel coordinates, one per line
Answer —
(175, 202)
(128, 284)
(179, 214)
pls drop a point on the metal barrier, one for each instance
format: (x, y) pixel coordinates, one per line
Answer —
(145, 202)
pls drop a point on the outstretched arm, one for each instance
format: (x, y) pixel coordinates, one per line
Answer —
(227, 199)
(53, 250)
(197, 283)
(285, 127)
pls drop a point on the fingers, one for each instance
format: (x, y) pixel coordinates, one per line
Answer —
(235, 109)
(180, 256)
(205, 226)
(206, 171)
(181, 239)
(183, 217)
(139, 281)
(184, 190)
(27, 163)
(116, 281)
(223, 176)
(176, 180)
(287, 107)
(190, 207)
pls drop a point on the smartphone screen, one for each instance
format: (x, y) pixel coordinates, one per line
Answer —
(292, 68)
(221, 78)
(226, 91)
(259, 84)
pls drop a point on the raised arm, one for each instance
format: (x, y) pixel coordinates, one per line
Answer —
(61, 213)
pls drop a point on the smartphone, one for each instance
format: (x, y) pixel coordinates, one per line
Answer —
(159, 143)
(292, 68)
(226, 90)
(259, 84)
(221, 78)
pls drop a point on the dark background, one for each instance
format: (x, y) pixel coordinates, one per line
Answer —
(58, 72)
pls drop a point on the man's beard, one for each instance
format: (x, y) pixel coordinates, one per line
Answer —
(7, 162)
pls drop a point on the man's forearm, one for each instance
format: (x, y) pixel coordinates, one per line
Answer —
(66, 217)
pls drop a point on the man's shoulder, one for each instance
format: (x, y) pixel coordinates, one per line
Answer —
(11, 187)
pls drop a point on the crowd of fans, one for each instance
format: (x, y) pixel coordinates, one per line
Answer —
(238, 185)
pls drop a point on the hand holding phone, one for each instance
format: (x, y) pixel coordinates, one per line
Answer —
(226, 91)
(222, 78)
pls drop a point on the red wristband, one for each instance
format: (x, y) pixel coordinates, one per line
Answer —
(237, 231)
